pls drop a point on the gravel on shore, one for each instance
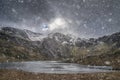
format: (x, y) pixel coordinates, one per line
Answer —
(20, 75)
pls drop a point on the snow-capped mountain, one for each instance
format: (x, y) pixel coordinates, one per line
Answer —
(34, 36)
(15, 32)
(27, 45)
(52, 45)
(25, 34)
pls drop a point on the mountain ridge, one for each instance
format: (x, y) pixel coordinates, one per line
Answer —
(16, 45)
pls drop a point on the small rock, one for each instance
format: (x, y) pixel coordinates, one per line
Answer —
(107, 62)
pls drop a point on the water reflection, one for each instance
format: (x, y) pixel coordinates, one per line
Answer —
(53, 67)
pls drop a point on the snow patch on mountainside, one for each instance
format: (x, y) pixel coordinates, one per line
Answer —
(35, 36)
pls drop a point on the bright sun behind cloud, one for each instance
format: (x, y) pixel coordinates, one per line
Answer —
(58, 23)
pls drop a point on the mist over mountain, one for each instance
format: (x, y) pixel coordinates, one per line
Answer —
(82, 18)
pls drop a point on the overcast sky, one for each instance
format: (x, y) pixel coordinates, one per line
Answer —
(84, 18)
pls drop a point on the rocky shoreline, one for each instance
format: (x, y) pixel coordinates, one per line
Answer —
(20, 75)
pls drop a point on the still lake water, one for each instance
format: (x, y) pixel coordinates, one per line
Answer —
(53, 67)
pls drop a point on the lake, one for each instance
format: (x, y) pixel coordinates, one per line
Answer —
(53, 67)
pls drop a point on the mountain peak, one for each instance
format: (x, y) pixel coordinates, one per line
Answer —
(15, 32)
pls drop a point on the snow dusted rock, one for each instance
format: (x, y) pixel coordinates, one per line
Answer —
(15, 32)
(34, 36)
